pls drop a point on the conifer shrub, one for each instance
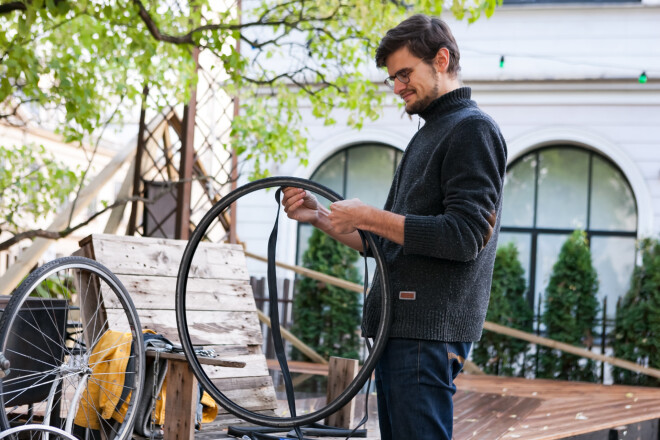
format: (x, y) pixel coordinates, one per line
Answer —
(570, 312)
(495, 353)
(326, 317)
(636, 335)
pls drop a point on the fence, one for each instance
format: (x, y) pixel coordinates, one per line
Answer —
(285, 289)
(599, 344)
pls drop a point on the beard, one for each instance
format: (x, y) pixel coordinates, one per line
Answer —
(422, 102)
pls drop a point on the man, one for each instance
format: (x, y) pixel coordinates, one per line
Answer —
(438, 231)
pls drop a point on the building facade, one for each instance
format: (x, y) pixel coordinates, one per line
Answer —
(575, 90)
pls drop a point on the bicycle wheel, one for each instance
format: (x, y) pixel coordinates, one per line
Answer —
(73, 340)
(36, 432)
(188, 268)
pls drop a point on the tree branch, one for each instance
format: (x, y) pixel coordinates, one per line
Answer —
(188, 38)
(6, 8)
(56, 235)
(156, 33)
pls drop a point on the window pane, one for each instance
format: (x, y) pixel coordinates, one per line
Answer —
(518, 203)
(331, 174)
(547, 251)
(370, 171)
(522, 242)
(614, 259)
(612, 201)
(304, 233)
(562, 191)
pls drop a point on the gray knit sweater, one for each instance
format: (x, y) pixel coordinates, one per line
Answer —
(449, 187)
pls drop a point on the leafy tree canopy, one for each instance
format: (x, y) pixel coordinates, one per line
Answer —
(88, 62)
(90, 56)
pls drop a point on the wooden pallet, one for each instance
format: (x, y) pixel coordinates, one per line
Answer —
(222, 315)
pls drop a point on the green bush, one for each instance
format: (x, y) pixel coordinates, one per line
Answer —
(636, 335)
(570, 311)
(325, 317)
(499, 354)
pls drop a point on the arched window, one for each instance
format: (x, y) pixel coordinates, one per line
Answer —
(552, 191)
(362, 171)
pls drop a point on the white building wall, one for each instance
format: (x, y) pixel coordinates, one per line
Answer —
(570, 76)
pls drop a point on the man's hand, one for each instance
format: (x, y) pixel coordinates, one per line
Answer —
(344, 215)
(300, 205)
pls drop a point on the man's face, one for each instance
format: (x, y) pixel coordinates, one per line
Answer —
(423, 83)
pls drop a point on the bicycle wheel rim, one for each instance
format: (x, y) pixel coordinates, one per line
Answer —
(182, 279)
(52, 432)
(75, 360)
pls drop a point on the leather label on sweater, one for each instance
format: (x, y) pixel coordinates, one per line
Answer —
(407, 295)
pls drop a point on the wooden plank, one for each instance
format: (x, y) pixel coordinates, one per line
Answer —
(561, 418)
(254, 394)
(208, 328)
(567, 348)
(158, 293)
(481, 416)
(342, 371)
(300, 367)
(255, 366)
(567, 409)
(546, 388)
(300, 345)
(181, 402)
(312, 274)
(149, 256)
(203, 360)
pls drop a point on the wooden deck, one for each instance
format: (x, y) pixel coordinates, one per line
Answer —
(494, 408)
(560, 409)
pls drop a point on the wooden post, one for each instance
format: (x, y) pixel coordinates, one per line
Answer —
(184, 188)
(137, 169)
(341, 372)
(180, 401)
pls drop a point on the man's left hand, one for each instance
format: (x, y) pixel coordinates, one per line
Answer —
(345, 215)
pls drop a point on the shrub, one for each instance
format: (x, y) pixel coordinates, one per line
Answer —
(499, 354)
(636, 335)
(570, 311)
(326, 317)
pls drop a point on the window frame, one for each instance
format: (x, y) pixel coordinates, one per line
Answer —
(344, 151)
(535, 231)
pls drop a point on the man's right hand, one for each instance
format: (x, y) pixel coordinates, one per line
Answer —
(300, 205)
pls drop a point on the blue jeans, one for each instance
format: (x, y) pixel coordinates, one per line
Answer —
(415, 385)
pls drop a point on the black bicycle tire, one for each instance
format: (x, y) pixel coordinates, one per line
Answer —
(379, 342)
(20, 295)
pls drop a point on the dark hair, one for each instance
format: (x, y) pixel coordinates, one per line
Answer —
(423, 36)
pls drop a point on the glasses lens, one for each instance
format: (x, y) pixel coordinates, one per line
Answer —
(389, 82)
(403, 76)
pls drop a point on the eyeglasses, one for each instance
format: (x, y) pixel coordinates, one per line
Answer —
(402, 75)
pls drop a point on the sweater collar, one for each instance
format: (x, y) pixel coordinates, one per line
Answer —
(448, 102)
